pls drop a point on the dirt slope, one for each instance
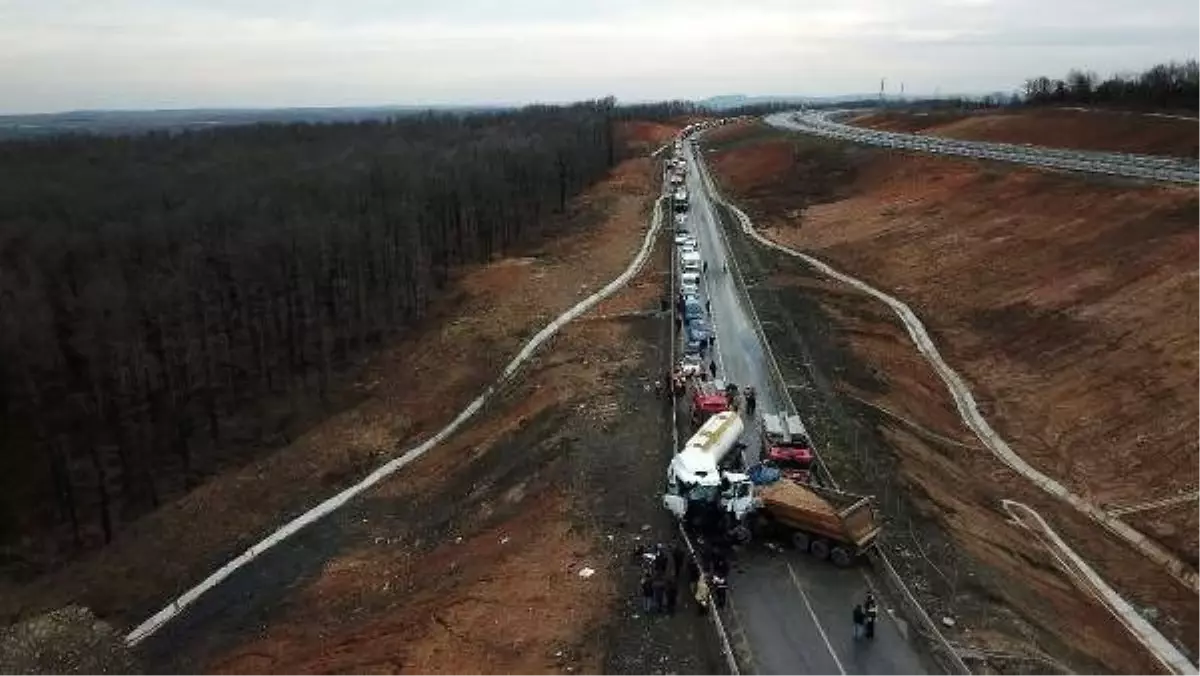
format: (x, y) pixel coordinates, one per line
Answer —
(1070, 308)
(1053, 127)
(557, 478)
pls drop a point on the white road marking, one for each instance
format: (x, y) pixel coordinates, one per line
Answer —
(813, 615)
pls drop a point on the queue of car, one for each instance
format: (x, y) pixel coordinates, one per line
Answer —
(697, 329)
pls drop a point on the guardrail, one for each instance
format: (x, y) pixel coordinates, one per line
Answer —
(931, 628)
(1128, 165)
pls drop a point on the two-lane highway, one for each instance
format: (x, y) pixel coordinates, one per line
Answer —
(790, 613)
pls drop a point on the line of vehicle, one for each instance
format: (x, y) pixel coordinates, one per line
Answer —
(696, 202)
(899, 582)
(330, 505)
(1156, 168)
(970, 414)
(718, 624)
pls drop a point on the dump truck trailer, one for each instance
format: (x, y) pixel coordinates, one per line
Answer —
(827, 523)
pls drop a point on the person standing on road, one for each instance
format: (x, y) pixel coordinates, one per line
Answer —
(706, 267)
(712, 368)
(860, 617)
(751, 400)
(720, 591)
(871, 610)
(647, 593)
(708, 306)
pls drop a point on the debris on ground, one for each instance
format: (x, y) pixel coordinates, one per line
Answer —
(69, 640)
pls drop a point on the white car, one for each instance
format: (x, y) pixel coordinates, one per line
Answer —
(682, 237)
(689, 246)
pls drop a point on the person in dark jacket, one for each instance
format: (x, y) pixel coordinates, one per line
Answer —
(720, 590)
(871, 610)
(860, 617)
(720, 564)
(712, 368)
(647, 593)
(751, 400)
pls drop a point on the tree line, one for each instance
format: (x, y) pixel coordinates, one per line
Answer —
(1171, 85)
(153, 288)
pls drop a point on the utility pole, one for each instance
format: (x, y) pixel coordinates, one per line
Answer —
(882, 80)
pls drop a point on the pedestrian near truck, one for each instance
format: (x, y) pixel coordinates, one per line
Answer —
(860, 618)
(871, 610)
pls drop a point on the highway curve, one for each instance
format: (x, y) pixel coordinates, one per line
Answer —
(1147, 167)
(789, 613)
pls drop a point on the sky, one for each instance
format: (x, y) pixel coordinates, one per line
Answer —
(60, 55)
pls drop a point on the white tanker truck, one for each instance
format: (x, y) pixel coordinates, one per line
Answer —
(696, 482)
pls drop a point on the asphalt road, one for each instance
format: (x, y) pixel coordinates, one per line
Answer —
(1157, 168)
(789, 613)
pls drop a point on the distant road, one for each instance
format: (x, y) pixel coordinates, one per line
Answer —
(1147, 167)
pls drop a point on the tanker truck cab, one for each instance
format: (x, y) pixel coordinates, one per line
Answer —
(738, 500)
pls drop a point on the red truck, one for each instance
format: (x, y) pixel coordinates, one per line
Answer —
(708, 399)
(786, 445)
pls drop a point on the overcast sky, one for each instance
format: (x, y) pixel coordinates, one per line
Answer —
(74, 54)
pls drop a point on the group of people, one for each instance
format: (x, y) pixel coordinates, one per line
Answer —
(665, 574)
(865, 614)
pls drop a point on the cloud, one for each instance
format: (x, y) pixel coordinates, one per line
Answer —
(70, 54)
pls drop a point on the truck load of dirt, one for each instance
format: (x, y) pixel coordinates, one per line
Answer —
(787, 495)
(1081, 129)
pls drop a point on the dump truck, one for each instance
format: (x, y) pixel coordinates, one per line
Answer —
(786, 444)
(827, 523)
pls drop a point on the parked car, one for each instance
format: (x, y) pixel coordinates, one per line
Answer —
(682, 237)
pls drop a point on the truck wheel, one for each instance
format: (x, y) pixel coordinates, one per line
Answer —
(841, 557)
(800, 541)
(819, 549)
